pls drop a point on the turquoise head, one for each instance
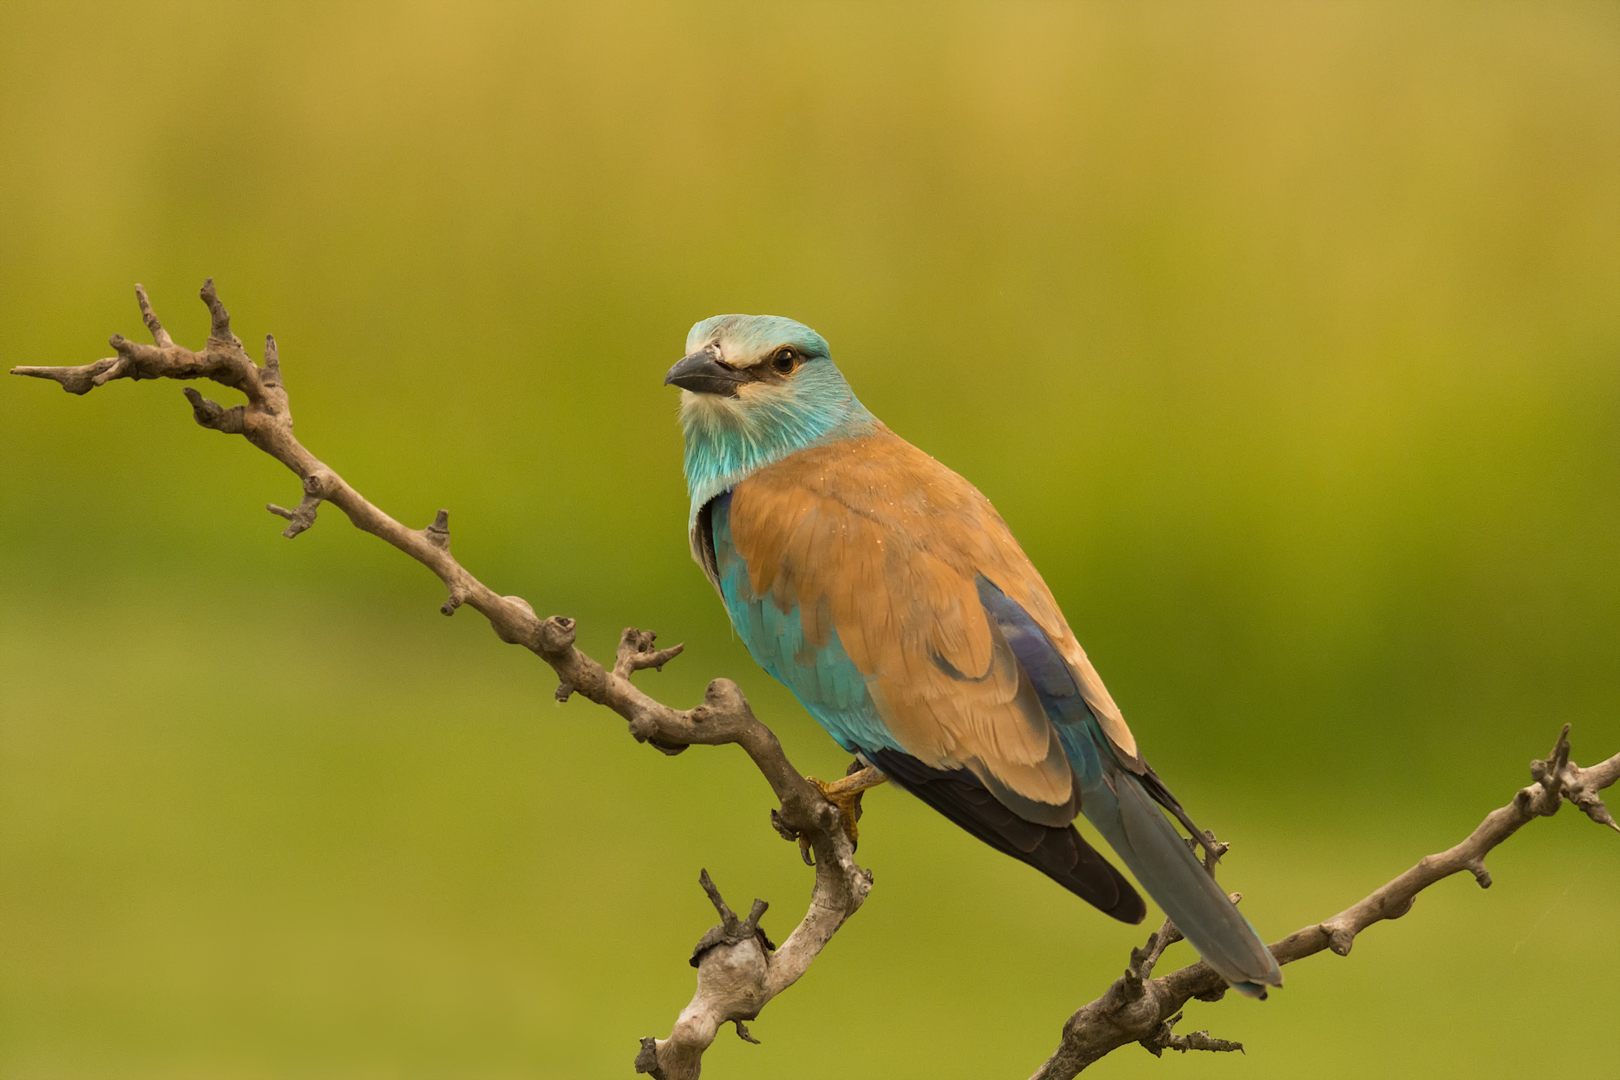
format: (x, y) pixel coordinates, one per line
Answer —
(755, 388)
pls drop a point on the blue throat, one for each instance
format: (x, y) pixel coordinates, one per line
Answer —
(727, 441)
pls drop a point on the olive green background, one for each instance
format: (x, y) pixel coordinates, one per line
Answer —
(1286, 337)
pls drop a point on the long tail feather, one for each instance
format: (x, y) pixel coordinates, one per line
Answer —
(1132, 823)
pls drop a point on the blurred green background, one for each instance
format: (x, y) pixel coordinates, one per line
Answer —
(1286, 337)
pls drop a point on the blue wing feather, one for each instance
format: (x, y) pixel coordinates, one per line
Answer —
(1084, 743)
(825, 680)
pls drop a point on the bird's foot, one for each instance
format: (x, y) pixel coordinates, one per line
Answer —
(846, 795)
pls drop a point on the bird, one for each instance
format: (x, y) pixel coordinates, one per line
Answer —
(892, 599)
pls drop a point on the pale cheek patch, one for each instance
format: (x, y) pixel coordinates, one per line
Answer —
(754, 404)
(713, 411)
(756, 394)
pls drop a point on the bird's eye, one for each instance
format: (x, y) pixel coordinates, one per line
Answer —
(783, 361)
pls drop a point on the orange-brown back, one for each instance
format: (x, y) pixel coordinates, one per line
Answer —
(874, 538)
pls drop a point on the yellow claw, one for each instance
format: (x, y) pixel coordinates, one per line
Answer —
(846, 795)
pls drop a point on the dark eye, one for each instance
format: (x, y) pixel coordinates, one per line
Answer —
(783, 361)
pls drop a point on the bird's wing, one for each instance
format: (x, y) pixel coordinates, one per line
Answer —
(874, 540)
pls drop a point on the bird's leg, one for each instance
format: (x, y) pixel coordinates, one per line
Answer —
(846, 795)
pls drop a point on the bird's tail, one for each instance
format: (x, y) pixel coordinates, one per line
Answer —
(1119, 805)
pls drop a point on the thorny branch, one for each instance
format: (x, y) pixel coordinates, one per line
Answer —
(1139, 1008)
(738, 969)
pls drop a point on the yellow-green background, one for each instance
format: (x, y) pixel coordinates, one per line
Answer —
(1286, 337)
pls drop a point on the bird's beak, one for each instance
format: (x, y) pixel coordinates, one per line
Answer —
(703, 373)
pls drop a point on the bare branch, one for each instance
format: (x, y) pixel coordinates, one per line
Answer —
(1140, 1009)
(636, 652)
(1166, 1039)
(739, 971)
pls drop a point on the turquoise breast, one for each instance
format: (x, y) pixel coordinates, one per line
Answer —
(825, 680)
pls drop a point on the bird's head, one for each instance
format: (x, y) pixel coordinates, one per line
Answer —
(734, 362)
(755, 388)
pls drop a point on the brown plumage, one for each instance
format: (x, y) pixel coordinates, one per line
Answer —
(874, 537)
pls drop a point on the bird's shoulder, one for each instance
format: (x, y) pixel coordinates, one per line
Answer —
(877, 476)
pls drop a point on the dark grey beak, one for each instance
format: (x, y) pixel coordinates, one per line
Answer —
(703, 373)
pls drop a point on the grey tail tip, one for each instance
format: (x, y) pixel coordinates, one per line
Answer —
(1257, 991)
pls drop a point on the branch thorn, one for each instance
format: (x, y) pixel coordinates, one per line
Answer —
(272, 362)
(438, 533)
(219, 319)
(647, 1058)
(300, 517)
(1165, 1038)
(732, 930)
(636, 652)
(159, 335)
(75, 380)
(211, 414)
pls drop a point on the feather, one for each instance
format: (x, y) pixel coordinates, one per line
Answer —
(1059, 852)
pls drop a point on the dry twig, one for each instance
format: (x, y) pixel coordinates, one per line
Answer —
(1139, 1008)
(739, 971)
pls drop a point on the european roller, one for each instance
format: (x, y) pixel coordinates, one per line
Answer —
(890, 597)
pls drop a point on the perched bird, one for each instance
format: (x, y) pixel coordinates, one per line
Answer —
(890, 597)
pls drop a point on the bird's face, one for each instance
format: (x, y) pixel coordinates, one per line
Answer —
(754, 389)
(742, 369)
